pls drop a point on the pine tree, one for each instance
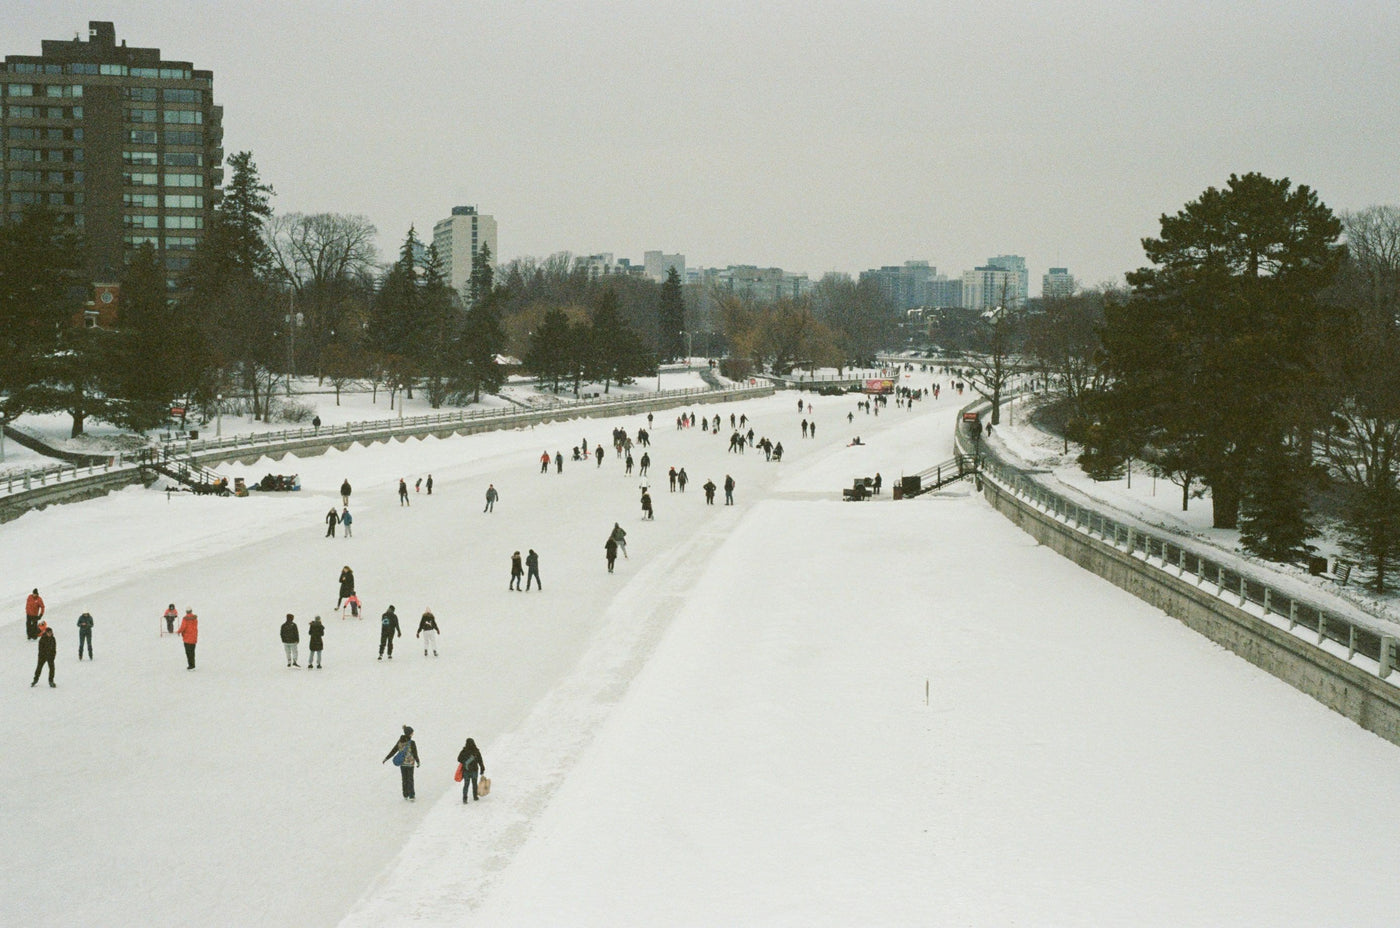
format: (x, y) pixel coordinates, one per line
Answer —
(39, 266)
(549, 353)
(670, 317)
(1220, 336)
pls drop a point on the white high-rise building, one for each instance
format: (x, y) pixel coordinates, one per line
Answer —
(657, 265)
(987, 287)
(458, 239)
(1017, 266)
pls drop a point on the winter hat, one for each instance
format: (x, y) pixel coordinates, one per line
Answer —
(289, 615)
(408, 730)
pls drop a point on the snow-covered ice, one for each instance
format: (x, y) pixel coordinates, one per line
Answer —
(731, 729)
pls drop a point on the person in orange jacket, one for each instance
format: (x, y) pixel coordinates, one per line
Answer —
(170, 615)
(33, 612)
(189, 633)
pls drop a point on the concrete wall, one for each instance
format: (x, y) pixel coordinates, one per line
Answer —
(1365, 698)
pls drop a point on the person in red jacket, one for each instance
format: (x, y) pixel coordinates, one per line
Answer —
(189, 634)
(33, 612)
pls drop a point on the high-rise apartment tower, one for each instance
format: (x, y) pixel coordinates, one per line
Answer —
(125, 145)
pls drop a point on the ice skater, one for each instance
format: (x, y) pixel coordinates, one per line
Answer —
(85, 634)
(388, 628)
(48, 650)
(405, 756)
(473, 766)
(290, 639)
(428, 631)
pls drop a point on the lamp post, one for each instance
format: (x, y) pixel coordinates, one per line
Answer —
(218, 415)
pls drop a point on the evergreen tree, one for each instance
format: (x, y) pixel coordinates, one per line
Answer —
(670, 317)
(482, 281)
(549, 353)
(442, 323)
(39, 296)
(229, 299)
(154, 343)
(1221, 336)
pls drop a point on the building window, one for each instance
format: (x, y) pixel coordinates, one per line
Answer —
(83, 68)
(184, 180)
(55, 177)
(147, 200)
(184, 201)
(184, 159)
(136, 241)
(181, 242)
(23, 154)
(184, 117)
(23, 198)
(132, 179)
(112, 70)
(174, 95)
(177, 74)
(184, 222)
(75, 112)
(140, 94)
(142, 116)
(139, 157)
(145, 72)
(140, 222)
(141, 136)
(20, 90)
(17, 133)
(25, 177)
(23, 112)
(63, 90)
(182, 137)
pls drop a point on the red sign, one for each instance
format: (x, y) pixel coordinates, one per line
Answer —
(970, 417)
(177, 412)
(879, 386)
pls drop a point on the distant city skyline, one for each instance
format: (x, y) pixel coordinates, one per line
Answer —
(847, 138)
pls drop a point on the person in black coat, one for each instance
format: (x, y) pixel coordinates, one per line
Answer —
(409, 761)
(728, 490)
(532, 565)
(290, 638)
(85, 634)
(347, 585)
(345, 492)
(315, 633)
(388, 628)
(332, 520)
(473, 766)
(610, 551)
(709, 489)
(48, 650)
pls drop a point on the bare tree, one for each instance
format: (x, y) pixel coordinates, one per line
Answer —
(990, 371)
(329, 260)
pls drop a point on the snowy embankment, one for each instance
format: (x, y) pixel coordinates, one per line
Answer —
(731, 729)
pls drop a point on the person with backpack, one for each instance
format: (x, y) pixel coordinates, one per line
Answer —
(48, 650)
(189, 634)
(315, 642)
(332, 520)
(473, 766)
(85, 634)
(405, 756)
(619, 535)
(290, 638)
(517, 571)
(388, 628)
(682, 479)
(428, 631)
(646, 506)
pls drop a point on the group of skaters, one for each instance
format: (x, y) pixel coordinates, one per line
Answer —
(471, 767)
(37, 628)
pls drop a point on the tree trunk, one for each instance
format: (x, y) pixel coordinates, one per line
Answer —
(1185, 494)
(78, 418)
(1225, 493)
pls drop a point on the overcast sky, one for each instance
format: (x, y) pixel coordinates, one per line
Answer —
(813, 136)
